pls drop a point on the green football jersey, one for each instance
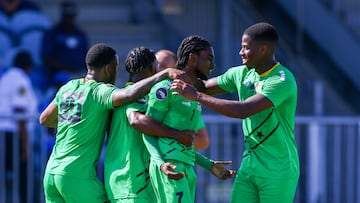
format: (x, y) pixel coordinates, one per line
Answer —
(126, 159)
(178, 113)
(270, 147)
(83, 116)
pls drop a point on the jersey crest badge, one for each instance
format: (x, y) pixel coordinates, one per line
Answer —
(161, 93)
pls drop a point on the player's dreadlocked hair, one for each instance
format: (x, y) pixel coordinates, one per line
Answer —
(138, 59)
(99, 55)
(191, 44)
(262, 31)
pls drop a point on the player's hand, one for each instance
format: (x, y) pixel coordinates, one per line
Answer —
(184, 89)
(219, 170)
(169, 170)
(178, 74)
(185, 137)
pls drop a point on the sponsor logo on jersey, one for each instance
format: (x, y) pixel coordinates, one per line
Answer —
(199, 107)
(161, 93)
(282, 75)
(186, 103)
(259, 86)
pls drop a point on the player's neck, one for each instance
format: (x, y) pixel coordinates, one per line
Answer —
(267, 65)
(192, 74)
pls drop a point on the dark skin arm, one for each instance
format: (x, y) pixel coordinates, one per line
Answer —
(209, 86)
(201, 140)
(231, 108)
(141, 88)
(150, 126)
(121, 97)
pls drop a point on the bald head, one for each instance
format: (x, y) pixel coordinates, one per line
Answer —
(166, 59)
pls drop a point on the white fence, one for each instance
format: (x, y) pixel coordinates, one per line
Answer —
(329, 149)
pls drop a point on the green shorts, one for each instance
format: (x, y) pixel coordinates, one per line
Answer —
(253, 189)
(61, 189)
(173, 191)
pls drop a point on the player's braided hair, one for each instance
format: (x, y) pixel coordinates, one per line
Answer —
(99, 55)
(262, 31)
(139, 59)
(191, 44)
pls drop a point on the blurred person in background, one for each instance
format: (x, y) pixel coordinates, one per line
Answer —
(17, 98)
(10, 7)
(64, 45)
(167, 59)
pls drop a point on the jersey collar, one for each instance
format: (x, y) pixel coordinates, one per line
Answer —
(269, 71)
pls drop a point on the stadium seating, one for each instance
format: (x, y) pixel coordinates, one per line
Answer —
(6, 37)
(29, 27)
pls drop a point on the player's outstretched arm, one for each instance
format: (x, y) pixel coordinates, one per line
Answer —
(209, 86)
(231, 108)
(217, 168)
(142, 87)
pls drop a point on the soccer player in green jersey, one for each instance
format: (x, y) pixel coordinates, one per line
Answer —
(167, 59)
(267, 91)
(127, 159)
(195, 57)
(80, 111)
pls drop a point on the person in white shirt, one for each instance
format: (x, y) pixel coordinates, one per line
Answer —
(17, 98)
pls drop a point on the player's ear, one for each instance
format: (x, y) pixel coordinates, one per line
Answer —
(264, 49)
(192, 57)
(107, 70)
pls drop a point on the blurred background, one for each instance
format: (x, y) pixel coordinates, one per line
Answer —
(319, 43)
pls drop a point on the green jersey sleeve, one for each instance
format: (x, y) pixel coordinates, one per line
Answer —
(158, 114)
(104, 94)
(231, 77)
(279, 87)
(203, 161)
(153, 148)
